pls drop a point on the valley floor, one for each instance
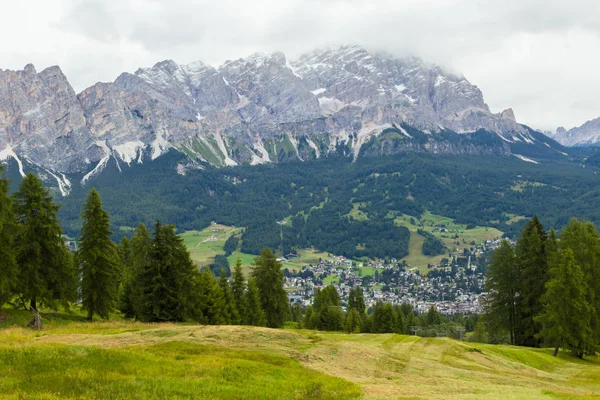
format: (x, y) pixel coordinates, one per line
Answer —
(73, 359)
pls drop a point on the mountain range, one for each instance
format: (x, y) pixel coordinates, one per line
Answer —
(587, 134)
(255, 110)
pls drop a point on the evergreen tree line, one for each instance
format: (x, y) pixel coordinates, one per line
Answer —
(546, 290)
(36, 268)
(326, 314)
(150, 277)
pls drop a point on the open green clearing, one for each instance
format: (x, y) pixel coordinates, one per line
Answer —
(204, 245)
(121, 359)
(454, 233)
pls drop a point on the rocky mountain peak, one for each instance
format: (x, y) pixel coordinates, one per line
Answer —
(257, 109)
(587, 134)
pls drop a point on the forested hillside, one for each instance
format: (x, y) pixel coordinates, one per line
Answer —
(315, 198)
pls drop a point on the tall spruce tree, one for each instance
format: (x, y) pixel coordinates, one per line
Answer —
(46, 274)
(97, 260)
(255, 315)
(211, 307)
(8, 264)
(230, 309)
(167, 279)
(238, 289)
(503, 286)
(566, 318)
(327, 307)
(269, 281)
(532, 264)
(583, 239)
(134, 260)
(356, 300)
(384, 318)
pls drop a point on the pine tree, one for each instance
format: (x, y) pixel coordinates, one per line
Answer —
(309, 318)
(211, 303)
(254, 313)
(269, 281)
(133, 262)
(353, 321)
(46, 274)
(433, 316)
(583, 239)
(97, 260)
(503, 285)
(532, 264)
(327, 308)
(384, 318)
(566, 318)
(167, 280)
(238, 289)
(356, 300)
(230, 309)
(8, 264)
(401, 320)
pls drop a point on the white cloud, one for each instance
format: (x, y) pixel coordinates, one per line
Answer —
(538, 57)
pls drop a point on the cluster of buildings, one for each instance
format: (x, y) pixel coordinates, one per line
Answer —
(457, 286)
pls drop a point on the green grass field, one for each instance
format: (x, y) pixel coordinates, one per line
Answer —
(429, 222)
(204, 245)
(71, 359)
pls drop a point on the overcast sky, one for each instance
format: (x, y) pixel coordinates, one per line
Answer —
(540, 57)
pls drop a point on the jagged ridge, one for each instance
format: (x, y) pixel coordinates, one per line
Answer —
(260, 109)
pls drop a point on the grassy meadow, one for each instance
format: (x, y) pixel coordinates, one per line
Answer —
(429, 222)
(119, 359)
(204, 245)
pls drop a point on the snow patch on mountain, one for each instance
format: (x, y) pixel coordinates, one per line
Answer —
(9, 152)
(526, 159)
(64, 185)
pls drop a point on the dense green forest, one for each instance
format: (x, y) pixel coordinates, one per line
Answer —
(315, 198)
(546, 290)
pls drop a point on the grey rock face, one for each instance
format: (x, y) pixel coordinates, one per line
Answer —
(42, 120)
(259, 109)
(587, 134)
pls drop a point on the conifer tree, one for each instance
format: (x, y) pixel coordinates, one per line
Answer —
(401, 320)
(353, 321)
(254, 313)
(211, 302)
(309, 318)
(133, 262)
(356, 300)
(230, 310)
(327, 307)
(384, 318)
(97, 260)
(238, 289)
(46, 274)
(433, 316)
(269, 281)
(532, 264)
(566, 319)
(8, 265)
(583, 239)
(503, 286)
(167, 279)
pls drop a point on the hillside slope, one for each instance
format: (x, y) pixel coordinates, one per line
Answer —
(168, 360)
